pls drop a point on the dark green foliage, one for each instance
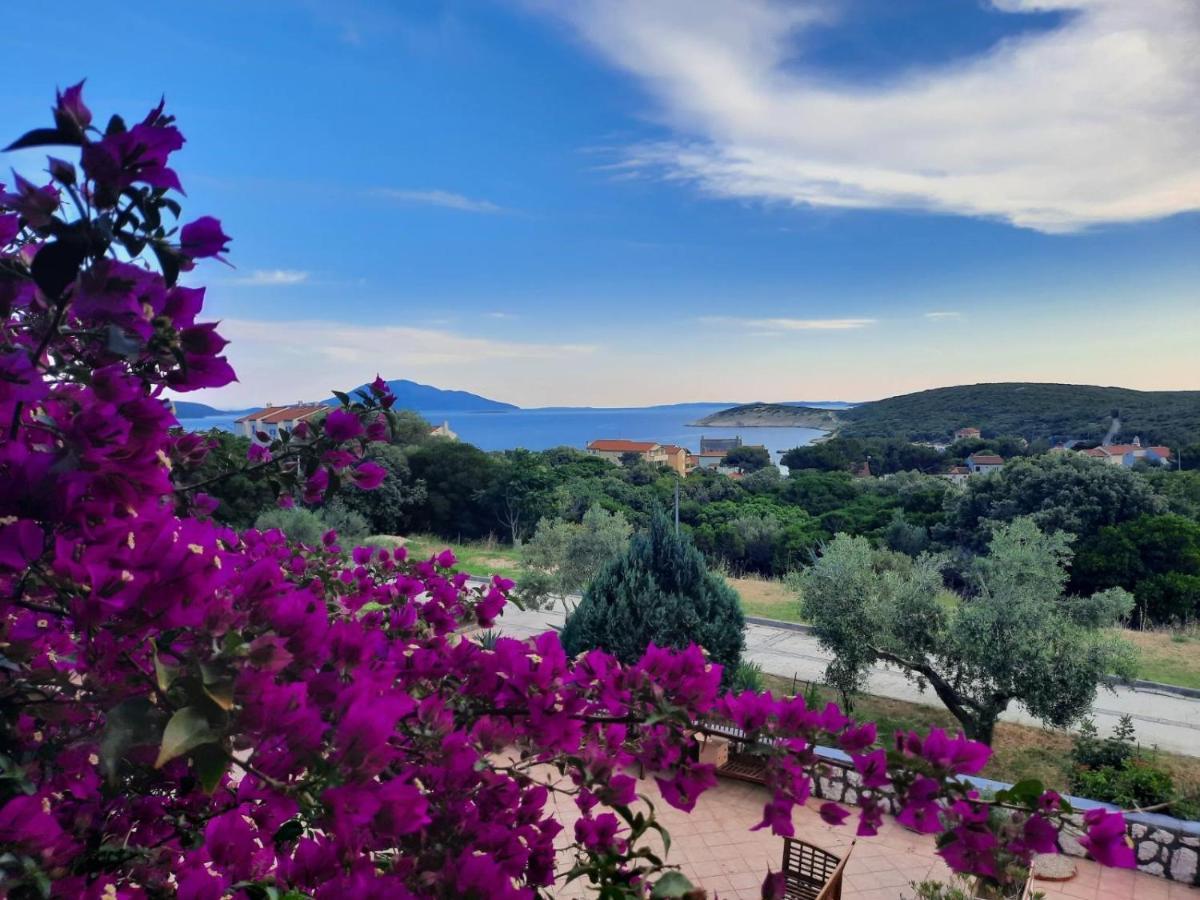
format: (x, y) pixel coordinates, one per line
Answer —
(746, 677)
(409, 428)
(456, 476)
(659, 591)
(884, 455)
(1116, 770)
(748, 459)
(1030, 410)
(1059, 491)
(1157, 558)
(385, 508)
(241, 496)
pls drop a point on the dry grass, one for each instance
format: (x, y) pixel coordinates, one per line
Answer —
(1172, 657)
(770, 598)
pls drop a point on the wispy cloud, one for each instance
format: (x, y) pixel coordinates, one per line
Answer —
(942, 315)
(436, 197)
(1092, 121)
(269, 277)
(307, 358)
(500, 315)
(768, 327)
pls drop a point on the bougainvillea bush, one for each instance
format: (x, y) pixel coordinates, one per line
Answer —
(190, 711)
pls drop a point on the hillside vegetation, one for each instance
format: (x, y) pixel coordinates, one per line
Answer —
(1030, 410)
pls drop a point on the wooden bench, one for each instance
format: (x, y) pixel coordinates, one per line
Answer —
(812, 873)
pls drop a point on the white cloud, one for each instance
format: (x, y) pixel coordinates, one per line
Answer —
(1093, 121)
(768, 327)
(306, 359)
(500, 315)
(268, 277)
(943, 315)
(435, 197)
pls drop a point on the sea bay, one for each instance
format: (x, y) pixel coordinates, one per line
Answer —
(540, 429)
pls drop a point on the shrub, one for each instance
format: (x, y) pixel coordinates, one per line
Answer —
(658, 592)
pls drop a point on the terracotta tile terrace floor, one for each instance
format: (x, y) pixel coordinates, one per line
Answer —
(717, 851)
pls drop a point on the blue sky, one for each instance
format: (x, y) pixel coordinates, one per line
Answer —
(625, 202)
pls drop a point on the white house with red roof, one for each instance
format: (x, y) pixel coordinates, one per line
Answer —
(1128, 454)
(271, 418)
(614, 448)
(965, 433)
(983, 463)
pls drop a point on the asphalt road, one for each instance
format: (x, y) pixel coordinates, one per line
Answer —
(1168, 721)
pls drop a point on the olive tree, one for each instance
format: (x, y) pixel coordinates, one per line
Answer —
(562, 557)
(1017, 636)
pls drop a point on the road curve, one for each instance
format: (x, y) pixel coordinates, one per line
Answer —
(1168, 721)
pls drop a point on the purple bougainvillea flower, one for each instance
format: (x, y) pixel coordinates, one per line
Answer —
(1105, 839)
(777, 815)
(832, 813)
(774, 886)
(20, 381)
(21, 542)
(341, 425)
(599, 834)
(446, 559)
(369, 475)
(873, 768)
(203, 238)
(37, 205)
(10, 227)
(70, 112)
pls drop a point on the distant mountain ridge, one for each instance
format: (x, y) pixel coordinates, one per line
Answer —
(426, 398)
(1029, 409)
(189, 409)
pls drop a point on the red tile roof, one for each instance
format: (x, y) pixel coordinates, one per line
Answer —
(617, 445)
(273, 415)
(1164, 452)
(673, 449)
(959, 470)
(1094, 451)
(986, 459)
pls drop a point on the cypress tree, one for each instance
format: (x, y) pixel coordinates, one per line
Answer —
(658, 591)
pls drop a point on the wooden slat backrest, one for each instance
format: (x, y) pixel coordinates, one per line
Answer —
(833, 887)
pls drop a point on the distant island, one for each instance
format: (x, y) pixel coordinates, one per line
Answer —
(773, 415)
(1027, 409)
(426, 398)
(189, 409)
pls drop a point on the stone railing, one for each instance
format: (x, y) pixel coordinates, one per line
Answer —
(1165, 846)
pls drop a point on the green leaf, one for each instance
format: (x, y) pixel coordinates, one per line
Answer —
(1024, 792)
(133, 723)
(210, 764)
(343, 398)
(288, 831)
(187, 729)
(164, 675)
(666, 837)
(672, 884)
(44, 137)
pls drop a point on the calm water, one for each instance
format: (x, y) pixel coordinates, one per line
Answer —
(539, 429)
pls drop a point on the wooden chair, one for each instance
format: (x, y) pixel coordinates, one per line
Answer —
(812, 873)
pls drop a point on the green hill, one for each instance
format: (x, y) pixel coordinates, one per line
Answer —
(1030, 410)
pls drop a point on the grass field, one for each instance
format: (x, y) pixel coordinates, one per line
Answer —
(476, 557)
(769, 598)
(1019, 751)
(1172, 657)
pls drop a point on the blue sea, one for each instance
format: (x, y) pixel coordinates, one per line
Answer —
(540, 429)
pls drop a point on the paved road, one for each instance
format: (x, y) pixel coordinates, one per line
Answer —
(1169, 721)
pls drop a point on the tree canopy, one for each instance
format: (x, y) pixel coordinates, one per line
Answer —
(1017, 637)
